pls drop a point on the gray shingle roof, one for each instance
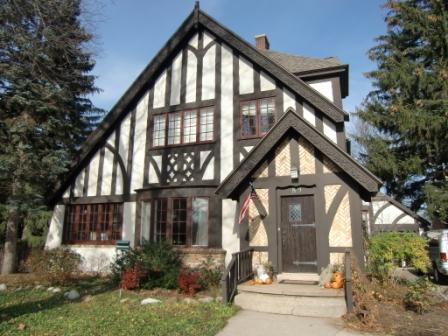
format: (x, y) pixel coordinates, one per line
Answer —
(297, 64)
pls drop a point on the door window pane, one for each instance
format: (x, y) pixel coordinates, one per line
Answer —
(200, 221)
(295, 212)
(174, 126)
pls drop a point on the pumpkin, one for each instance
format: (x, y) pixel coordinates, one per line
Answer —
(268, 281)
(327, 285)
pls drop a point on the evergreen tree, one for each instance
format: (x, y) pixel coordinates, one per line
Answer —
(45, 110)
(407, 111)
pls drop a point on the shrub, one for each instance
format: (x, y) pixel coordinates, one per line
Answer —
(417, 298)
(131, 278)
(188, 281)
(56, 266)
(210, 274)
(157, 261)
(386, 250)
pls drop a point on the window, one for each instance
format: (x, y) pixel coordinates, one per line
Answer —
(183, 127)
(257, 117)
(183, 221)
(93, 223)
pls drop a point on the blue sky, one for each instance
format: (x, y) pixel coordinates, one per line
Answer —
(130, 33)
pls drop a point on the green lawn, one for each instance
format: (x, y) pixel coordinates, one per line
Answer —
(99, 312)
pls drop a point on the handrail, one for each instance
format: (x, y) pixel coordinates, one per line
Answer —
(348, 286)
(238, 270)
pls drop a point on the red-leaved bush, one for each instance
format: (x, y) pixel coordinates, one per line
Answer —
(188, 281)
(131, 278)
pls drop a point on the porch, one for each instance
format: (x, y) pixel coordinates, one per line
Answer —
(292, 294)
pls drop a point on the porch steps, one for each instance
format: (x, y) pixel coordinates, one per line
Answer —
(292, 299)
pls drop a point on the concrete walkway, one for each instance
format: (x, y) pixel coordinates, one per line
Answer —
(250, 323)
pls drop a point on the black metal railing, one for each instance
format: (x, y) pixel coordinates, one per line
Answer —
(239, 270)
(348, 286)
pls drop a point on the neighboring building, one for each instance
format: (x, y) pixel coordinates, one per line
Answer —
(174, 158)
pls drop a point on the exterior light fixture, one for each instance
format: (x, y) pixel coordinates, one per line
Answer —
(294, 173)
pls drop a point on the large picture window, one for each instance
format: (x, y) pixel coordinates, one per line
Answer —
(257, 117)
(182, 221)
(93, 223)
(178, 128)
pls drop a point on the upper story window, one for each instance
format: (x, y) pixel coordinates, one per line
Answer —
(93, 223)
(183, 127)
(257, 117)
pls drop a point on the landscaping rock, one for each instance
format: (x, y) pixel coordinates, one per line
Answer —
(190, 301)
(38, 287)
(50, 289)
(72, 295)
(149, 301)
(124, 300)
(87, 298)
(170, 300)
(18, 289)
(2, 287)
(56, 290)
(207, 299)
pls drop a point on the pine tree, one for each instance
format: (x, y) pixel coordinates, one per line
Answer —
(407, 111)
(45, 110)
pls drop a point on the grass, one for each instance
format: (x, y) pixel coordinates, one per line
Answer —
(99, 312)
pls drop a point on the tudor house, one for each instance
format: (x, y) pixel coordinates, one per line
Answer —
(209, 115)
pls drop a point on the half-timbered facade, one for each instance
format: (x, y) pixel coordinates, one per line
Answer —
(210, 114)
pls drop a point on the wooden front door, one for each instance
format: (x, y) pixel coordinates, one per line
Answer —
(298, 234)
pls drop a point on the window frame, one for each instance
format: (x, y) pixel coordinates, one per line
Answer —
(73, 221)
(169, 220)
(258, 133)
(182, 122)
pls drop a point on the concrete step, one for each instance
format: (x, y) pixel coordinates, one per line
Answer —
(298, 300)
(297, 277)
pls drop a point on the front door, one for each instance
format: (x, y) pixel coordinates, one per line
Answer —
(298, 234)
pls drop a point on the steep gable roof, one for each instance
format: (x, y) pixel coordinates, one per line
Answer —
(292, 121)
(297, 64)
(186, 30)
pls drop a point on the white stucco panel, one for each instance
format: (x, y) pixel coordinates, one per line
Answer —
(138, 156)
(246, 74)
(194, 41)
(106, 183)
(288, 100)
(230, 239)
(54, 235)
(79, 184)
(309, 114)
(176, 71)
(266, 82)
(95, 258)
(192, 65)
(324, 88)
(159, 91)
(207, 39)
(226, 134)
(330, 130)
(152, 175)
(209, 173)
(93, 174)
(129, 209)
(208, 74)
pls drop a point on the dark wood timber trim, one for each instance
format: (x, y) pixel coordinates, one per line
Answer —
(99, 181)
(85, 187)
(236, 108)
(189, 27)
(200, 64)
(148, 136)
(128, 177)
(100, 199)
(293, 121)
(116, 158)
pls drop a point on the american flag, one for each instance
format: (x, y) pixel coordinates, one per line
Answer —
(245, 205)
